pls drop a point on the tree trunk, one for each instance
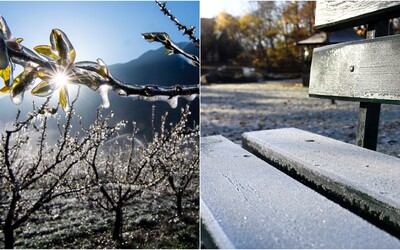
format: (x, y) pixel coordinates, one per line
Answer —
(8, 228)
(8, 232)
(179, 203)
(117, 233)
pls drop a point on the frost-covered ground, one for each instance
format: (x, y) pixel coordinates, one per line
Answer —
(148, 223)
(231, 109)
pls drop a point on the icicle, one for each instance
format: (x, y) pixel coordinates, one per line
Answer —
(135, 97)
(103, 90)
(122, 92)
(173, 102)
(190, 97)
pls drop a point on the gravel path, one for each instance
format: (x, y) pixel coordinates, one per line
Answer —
(231, 109)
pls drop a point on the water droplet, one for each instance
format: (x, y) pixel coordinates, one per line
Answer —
(17, 99)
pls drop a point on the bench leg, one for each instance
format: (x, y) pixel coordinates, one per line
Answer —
(368, 116)
(368, 124)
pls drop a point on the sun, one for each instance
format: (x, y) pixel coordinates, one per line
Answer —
(61, 79)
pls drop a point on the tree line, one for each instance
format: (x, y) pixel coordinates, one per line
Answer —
(264, 38)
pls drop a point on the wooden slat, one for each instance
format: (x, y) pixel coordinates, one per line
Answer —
(247, 203)
(358, 71)
(367, 181)
(334, 15)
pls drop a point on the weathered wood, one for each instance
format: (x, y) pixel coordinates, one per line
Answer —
(368, 115)
(358, 71)
(247, 203)
(365, 180)
(334, 15)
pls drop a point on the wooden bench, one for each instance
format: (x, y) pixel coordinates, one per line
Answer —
(247, 203)
(365, 181)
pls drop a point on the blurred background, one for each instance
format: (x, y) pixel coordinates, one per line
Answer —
(256, 58)
(248, 41)
(256, 43)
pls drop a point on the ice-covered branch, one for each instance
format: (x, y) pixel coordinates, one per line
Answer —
(186, 31)
(171, 47)
(54, 65)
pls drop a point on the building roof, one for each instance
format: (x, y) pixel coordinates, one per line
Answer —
(317, 38)
(322, 38)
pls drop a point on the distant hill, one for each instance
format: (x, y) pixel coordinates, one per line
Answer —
(153, 67)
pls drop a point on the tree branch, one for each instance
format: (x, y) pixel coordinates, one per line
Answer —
(95, 75)
(186, 31)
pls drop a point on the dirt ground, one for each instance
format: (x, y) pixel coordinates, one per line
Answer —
(231, 109)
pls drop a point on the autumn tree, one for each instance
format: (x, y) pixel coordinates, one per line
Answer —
(209, 51)
(294, 26)
(226, 31)
(258, 31)
(273, 30)
(266, 35)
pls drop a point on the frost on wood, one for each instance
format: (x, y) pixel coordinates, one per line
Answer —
(54, 67)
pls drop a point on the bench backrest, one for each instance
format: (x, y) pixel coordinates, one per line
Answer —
(366, 71)
(331, 15)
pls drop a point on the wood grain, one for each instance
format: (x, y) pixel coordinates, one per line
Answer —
(333, 15)
(358, 71)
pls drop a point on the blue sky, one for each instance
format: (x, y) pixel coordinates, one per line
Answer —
(99, 29)
(211, 8)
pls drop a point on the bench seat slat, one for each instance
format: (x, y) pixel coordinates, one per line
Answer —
(367, 179)
(247, 203)
(366, 70)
